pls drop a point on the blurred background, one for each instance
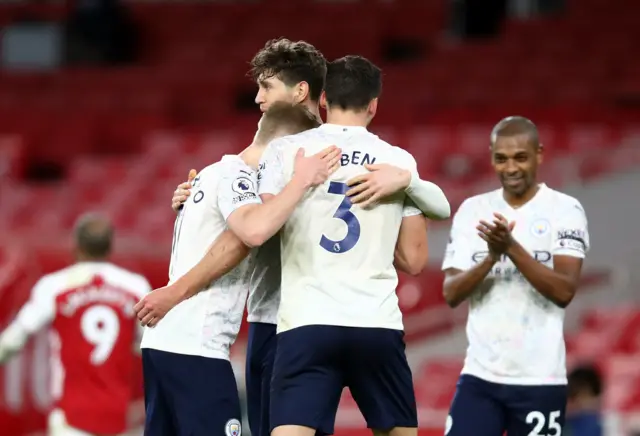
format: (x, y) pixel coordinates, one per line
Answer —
(106, 105)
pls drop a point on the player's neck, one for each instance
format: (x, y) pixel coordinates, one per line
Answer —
(314, 109)
(252, 154)
(347, 118)
(516, 201)
(81, 258)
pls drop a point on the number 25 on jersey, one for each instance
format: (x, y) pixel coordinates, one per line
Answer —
(344, 214)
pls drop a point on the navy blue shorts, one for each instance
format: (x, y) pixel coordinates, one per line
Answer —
(482, 408)
(261, 352)
(189, 395)
(314, 363)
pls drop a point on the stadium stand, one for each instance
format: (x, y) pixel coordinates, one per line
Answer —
(119, 140)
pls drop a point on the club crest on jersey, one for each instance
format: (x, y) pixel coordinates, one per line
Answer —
(233, 428)
(540, 227)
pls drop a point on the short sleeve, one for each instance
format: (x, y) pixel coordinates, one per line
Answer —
(458, 253)
(40, 309)
(271, 173)
(237, 187)
(410, 208)
(571, 236)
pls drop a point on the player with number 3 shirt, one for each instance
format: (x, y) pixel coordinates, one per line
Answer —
(94, 335)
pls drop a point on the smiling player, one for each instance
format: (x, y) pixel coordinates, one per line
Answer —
(516, 254)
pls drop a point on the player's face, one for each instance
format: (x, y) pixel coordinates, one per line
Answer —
(271, 90)
(516, 161)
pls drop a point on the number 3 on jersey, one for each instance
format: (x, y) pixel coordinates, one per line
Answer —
(100, 327)
(344, 214)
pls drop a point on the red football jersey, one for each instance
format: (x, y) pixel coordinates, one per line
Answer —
(94, 335)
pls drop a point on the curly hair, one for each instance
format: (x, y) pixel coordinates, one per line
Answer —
(292, 62)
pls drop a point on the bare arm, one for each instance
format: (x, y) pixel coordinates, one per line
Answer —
(223, 255)
(412, 250)
(459, 285)
(226, 252)
(558, 284)
(254, 224)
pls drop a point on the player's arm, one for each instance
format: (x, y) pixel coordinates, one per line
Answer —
(412, 251)
(383, 180)
(254, 224)
(34, 315)
(224, 254)
(571, 243)
(463, 277)
(428, 197)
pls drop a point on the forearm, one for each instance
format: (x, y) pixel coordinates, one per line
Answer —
(411, 264)
(459, 287)
(265, 220)
(558, 288)
(429, 198)
(11, 341)
(224, 254)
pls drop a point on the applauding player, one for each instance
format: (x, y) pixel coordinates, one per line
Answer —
(516, 254)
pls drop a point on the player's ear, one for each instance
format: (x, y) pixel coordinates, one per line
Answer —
(323, 100)
(372, 108)
(540, 154)
(301, 92)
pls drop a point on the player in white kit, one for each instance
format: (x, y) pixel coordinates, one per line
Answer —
(339, 323)
(190, 387)
(277, 77)
(516, 254)
(94, 335)
(285, 71)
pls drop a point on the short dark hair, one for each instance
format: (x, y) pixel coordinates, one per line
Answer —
(352, 83)
(292, 62)
(515, 126)
(94, 236)
(285, 116)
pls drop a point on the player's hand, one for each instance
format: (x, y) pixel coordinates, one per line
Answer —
(183, 191)
(156, 304)
(381, 181)
(316, 169)
(497, 234)
(331, 157)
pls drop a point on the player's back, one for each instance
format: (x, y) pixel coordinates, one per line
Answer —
(207, 323)
(338, 258)
(94, 332)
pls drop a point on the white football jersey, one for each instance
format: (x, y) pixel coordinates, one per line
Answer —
(207, 324)
(264, 289)
(337, 258)
(515, 334)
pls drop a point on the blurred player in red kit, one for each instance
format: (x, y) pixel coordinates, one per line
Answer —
(94, 335)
